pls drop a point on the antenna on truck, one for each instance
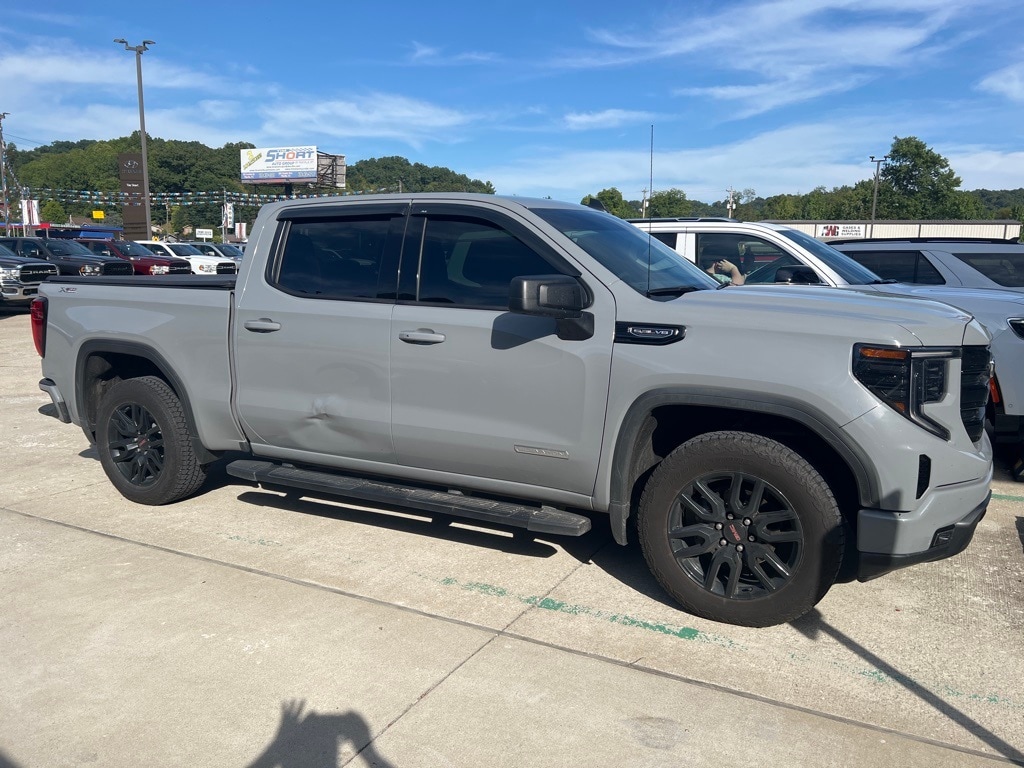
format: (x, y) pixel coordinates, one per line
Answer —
(648, 206)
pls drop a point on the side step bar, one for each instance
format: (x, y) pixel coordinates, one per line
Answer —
(538, 519)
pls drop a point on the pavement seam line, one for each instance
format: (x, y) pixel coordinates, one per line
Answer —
(496, 633)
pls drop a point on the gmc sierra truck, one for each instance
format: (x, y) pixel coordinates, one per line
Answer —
(534, 364)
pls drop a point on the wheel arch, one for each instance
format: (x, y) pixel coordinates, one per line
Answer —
(102, 362)
(660, 420)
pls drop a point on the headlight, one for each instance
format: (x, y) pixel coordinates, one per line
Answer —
(158, 270)
(1017, 324)
(89, 269)
(906, 379)
(208, 268)
(9, 274)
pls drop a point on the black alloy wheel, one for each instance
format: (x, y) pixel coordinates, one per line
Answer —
(741, 529)
(144, 442)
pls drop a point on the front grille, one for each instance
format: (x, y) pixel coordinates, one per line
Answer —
(36, 273)
(181, 269)
(117, 267)
(226, 268)
(975, 372)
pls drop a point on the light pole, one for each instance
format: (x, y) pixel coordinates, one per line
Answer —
(874, 198)
(139, 49)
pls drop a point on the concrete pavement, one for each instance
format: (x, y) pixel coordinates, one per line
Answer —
(243, 627)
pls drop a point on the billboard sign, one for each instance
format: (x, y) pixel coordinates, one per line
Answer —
(277, 165)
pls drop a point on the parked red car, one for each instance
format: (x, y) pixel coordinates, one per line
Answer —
(143, 260)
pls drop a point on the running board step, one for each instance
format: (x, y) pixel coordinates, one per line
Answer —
(538, 519)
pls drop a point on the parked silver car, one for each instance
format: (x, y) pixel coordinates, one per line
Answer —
(966, 262)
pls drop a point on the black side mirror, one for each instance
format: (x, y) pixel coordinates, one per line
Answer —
(558, 296)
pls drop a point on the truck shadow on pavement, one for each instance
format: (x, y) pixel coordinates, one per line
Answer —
(813, 625)
(313, 740)
(1020, 531)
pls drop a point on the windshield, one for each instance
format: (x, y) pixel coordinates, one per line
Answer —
(183, 249)
(229, 250)
(639, 260)
(134, 249)
(848, 269)
(67, 248)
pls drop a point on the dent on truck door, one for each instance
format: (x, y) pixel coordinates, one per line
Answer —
(480, 391)
(311, 347)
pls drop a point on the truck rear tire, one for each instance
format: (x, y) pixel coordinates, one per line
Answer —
(741, 529)
(144, 444)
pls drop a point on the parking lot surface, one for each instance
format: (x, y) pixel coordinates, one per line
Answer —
(253, 628)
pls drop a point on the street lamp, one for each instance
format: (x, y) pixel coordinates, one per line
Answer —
(874, 198)
(139, 49)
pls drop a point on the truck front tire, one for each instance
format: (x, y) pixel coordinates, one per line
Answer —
(144, 444)
(739, 528)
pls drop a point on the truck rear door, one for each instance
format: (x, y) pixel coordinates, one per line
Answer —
(313, 379)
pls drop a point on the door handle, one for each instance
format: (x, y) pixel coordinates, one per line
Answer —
(421, 336)
(263, 325)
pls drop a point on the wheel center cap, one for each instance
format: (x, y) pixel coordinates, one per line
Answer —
(734, 532)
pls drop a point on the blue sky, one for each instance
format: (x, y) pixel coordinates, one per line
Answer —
(543, 99)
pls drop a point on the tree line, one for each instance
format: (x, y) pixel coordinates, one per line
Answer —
(177, 167)
(914, 182)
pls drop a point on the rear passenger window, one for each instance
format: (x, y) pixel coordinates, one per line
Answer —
(902, 266)
(471, 262)
(334, 258)
(1003, 268)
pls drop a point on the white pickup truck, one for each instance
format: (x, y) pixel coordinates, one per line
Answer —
(533, 363)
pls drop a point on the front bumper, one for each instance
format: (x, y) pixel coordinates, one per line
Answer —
(18, 292)
(945, 542)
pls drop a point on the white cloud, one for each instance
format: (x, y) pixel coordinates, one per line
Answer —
(1008, 82)
(380, 116)
(796, 50)
(433, 56)
(608, 118)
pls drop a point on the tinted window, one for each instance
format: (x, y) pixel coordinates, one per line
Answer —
(642, 262)
(183, 249)
(338, 259)
(668, 238)
(67, 248)
(848, 269)
(902, 266)
(134, 249)
(471, 262)
(1003, 268)
(230, 250)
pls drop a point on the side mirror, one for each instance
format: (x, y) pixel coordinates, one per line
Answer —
(797, 276)
(558, 296)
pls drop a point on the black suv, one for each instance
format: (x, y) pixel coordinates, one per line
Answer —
(71, 258)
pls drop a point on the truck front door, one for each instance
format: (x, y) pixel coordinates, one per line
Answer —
(477, 390)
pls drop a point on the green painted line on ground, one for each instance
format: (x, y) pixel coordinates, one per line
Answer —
(1006, 497)
(573, 609)
(689, 633)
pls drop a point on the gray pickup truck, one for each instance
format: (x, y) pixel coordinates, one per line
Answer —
(532, 363)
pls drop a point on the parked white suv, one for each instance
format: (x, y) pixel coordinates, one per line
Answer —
(202, 264)
(778, 255)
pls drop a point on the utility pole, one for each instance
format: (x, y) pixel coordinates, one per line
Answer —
(139, 49)
(730, 205)
(3, 176)
(874, 197)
